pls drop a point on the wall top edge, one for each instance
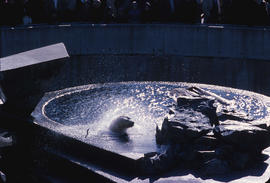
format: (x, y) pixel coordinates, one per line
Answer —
(154, 25)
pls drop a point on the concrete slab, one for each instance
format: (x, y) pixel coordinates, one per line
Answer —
(259, 173)
(36, 56)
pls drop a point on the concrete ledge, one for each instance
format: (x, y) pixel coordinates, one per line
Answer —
(57, 143)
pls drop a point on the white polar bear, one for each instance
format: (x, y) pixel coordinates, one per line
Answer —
(120, 125)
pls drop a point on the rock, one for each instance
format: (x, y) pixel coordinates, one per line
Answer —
(207, 155)
(215, 167)
(240, 160)
(155, 163)
(201, 105)
(206, 130)
(224, 151)
(233, 115)
(205, 143)
(215, 107)
(194, 93)
(150, 154)
(183, 92)
(182, 131)
(243, 136)
(187, 153)
(190, 158)
(183, 125)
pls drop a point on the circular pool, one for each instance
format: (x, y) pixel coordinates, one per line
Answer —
(85, 112)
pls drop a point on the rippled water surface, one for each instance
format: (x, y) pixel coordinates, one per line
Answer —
(90, 109)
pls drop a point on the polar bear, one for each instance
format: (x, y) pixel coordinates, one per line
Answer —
(120, 125)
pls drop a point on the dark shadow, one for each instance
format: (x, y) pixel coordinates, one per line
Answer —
(257, 170)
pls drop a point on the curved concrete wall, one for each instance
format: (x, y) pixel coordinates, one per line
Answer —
(184, 40)
(228, 56)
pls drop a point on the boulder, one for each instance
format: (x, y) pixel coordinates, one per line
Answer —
(205, 143)
(243, 136)
(215, 167)
(156, 163)
(183, 127)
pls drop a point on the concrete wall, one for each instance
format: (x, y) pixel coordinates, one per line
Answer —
(232, 56)
(184, 40)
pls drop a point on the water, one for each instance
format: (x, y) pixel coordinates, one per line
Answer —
(86, 112)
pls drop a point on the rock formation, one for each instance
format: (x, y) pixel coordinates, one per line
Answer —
(206, 132)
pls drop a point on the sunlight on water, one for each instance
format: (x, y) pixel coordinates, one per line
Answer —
(87, 114)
